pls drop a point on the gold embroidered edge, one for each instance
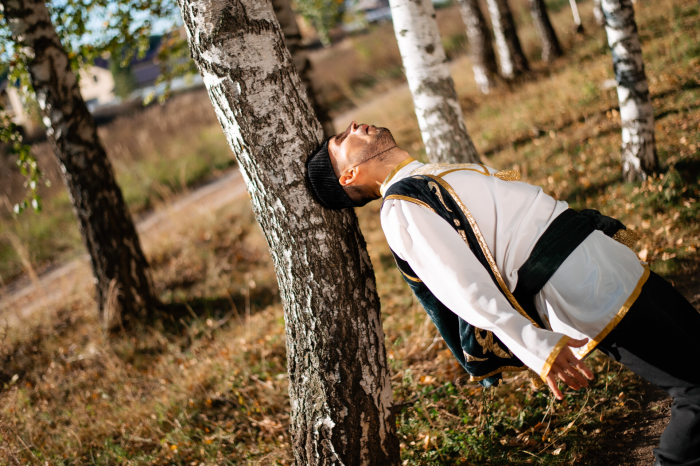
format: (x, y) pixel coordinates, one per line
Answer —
(484, 248)
(409, 199)
(508, 175)
(553, 355)
(471, 358)
(497, 371)
(413, 279)
(447, 172)
(627, 237)
(583, 352)
(394, 172)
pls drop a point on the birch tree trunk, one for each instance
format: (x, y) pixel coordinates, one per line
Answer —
(482, 54)
(577, 16)
(598, 13)
(551, 49)
(105, 223)
(510, 54)
(639, 157)
(292, 37)
(434, 98)
(339, 383)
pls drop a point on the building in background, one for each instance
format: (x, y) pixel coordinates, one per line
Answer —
(97, 85)
(13, 106)
(375, 11)
(105, 86)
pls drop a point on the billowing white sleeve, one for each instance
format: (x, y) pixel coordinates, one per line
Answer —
(444, 262)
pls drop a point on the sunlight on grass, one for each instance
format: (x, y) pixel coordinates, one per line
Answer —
(209, 385)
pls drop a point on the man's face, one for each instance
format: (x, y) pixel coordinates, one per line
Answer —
(357, 144)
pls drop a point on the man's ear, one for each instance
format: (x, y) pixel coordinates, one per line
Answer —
(349, 176)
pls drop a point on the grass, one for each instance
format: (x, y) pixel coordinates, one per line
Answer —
(157, 153)
(210, 387)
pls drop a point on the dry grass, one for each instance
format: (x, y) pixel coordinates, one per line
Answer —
(211, 388)
(155, 153)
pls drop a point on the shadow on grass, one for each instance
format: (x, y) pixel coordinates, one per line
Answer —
(177, 324)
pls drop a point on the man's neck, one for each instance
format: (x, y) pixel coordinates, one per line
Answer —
(386, 166)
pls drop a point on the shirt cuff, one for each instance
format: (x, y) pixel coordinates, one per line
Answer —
(553, 355)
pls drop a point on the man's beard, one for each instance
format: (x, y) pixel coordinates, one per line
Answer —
(381, 142)
(360, 195)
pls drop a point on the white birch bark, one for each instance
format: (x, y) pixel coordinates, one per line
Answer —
(510, 53)
(551, 49)
(480, 46)
(339, 384)
(577, 16)
(598, 13)
(639, 157)
(434, 98)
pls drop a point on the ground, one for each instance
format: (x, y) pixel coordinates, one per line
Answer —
(210, 386)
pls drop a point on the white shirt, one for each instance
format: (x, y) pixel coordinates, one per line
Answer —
(585, 298)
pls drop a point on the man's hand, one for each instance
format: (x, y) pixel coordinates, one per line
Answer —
(566, 367)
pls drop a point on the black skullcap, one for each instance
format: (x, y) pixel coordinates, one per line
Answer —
(324, 182)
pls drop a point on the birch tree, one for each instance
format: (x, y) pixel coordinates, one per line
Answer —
(510, 53)
(339, 384)
(107, 229)
(434, 98)
(551, 49)
(598, 13)
(481, 49)
(639, 157)
(292, 37)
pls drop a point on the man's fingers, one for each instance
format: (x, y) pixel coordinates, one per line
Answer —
(573, 363)
(583, 367)
(566, 378)
(580, 365)
(552, 382)
(576, 375)
(574, 343)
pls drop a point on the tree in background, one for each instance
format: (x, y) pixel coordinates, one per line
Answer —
(598, 13)
(120, 268)
(339, 382)
(510, 54)
(639, 157)
(577, 16)
(434, 98)
(323, 14)
(481, 49)
(292, 37)
(124, 81)
(551, 49)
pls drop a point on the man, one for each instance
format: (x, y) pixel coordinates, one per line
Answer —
(513, 278)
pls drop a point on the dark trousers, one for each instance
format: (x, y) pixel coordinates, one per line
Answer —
(659, 340)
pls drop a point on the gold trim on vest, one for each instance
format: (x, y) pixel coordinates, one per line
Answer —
(396, 169)
(410, 199)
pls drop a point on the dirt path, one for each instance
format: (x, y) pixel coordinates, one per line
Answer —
(22, 298)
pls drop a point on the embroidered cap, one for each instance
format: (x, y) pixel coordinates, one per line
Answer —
(323, 181)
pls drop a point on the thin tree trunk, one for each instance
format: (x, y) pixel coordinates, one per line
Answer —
(105, 223)
(482, 55)
(434, 98)
(639, 157)
(339, 382)
(292, 37)
(598, 13)
(510, 54)
(551, 49)
(577, 16)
